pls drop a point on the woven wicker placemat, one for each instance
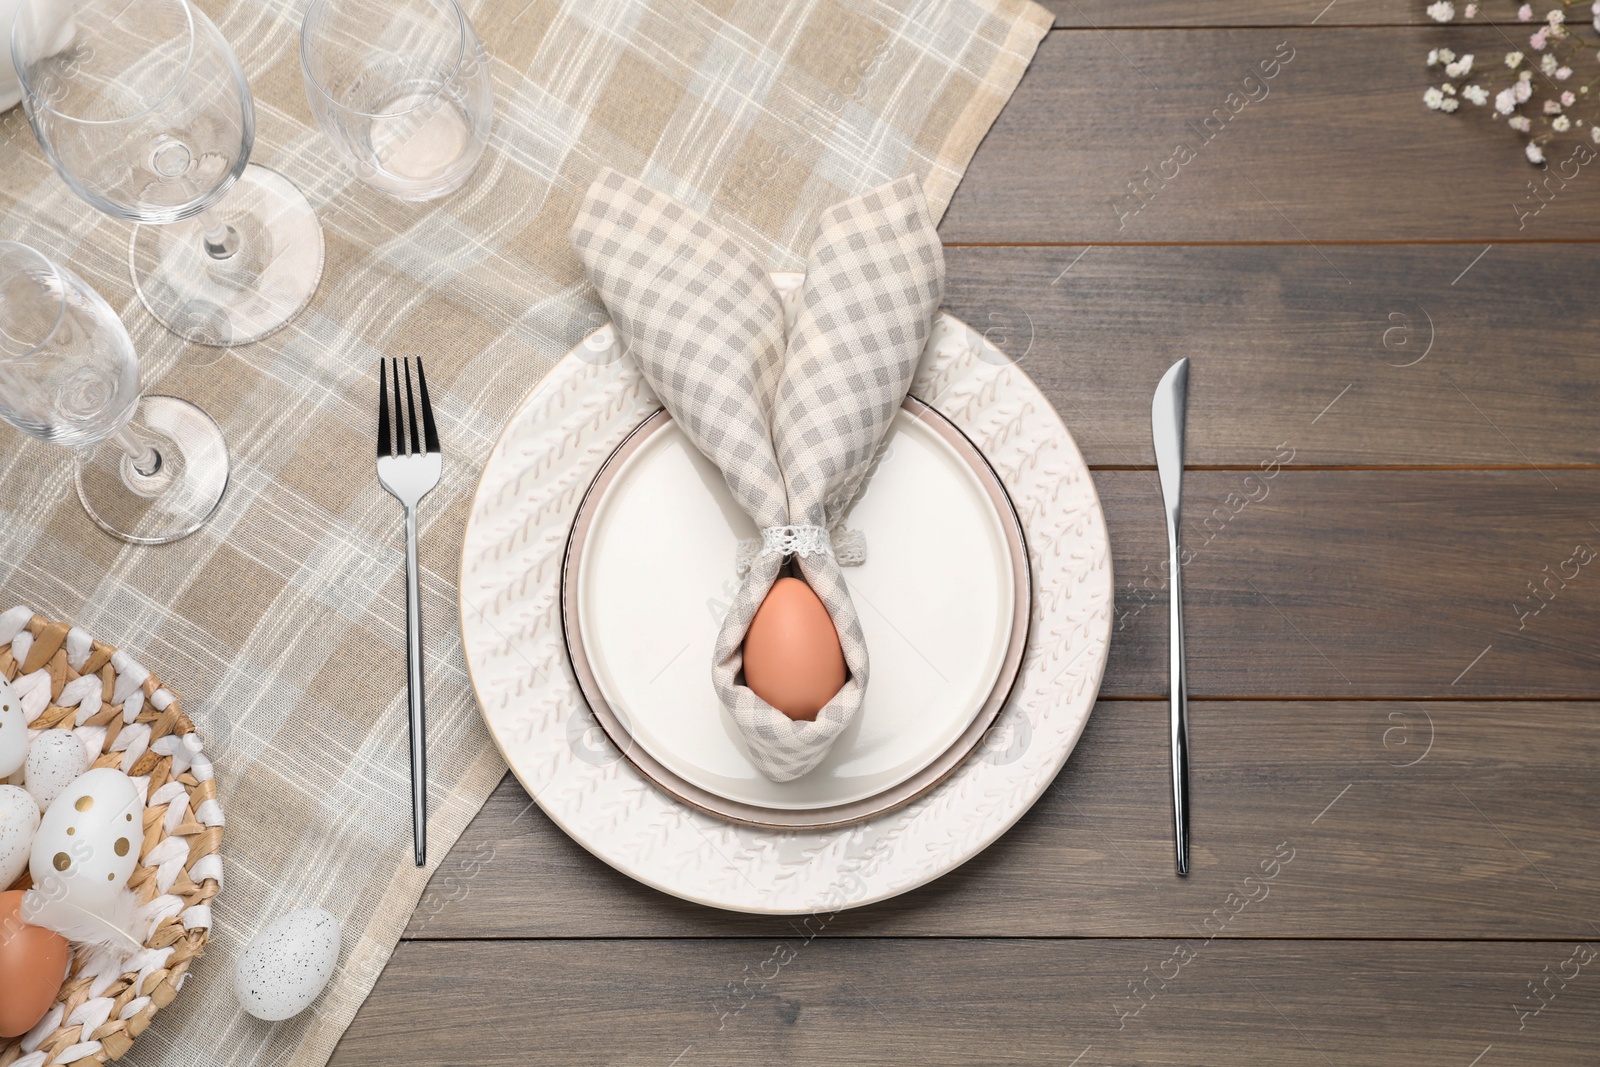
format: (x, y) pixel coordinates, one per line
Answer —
(66, 680)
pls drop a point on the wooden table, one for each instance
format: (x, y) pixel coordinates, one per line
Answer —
(1396, 850)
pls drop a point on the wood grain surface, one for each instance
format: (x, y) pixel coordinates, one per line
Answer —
(1393, 596)
(1433, 355)
(853, 1002)
(1337, 148)
(1111, 14)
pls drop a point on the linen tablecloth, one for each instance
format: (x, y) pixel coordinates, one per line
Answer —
(282, 622)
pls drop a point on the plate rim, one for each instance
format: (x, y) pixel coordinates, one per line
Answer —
(833, 816)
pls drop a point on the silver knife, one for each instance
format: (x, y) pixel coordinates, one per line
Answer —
(1166, 427)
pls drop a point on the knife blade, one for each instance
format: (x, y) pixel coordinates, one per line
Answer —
(1166, 429)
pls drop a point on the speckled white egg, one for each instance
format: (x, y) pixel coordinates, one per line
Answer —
(55, 758)
(288, 964)
(13, 732)
(19, 818)
(88, 840)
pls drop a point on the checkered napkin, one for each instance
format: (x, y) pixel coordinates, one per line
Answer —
(792, 422)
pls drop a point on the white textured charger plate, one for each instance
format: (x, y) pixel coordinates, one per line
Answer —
(552, 447)
(943, 599)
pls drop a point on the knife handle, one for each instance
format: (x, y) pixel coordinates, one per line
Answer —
(1180, 707)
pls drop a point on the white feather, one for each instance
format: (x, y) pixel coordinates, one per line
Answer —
(116, 927)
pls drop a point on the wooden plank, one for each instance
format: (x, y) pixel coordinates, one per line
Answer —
(1445, 355)
(1108, 14)
(686, 1003)
(1399, 820)
(1337, 147)
(1447, 584)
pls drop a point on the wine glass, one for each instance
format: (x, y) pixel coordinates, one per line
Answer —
(149, 472)
(401, 88)
(143, 110)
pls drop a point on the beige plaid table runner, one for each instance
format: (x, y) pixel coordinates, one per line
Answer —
(282, 623)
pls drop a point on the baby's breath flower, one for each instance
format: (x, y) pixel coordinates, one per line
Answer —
(1561, 124)
(1450, 104)
(1594, 134)
(1433, 98)
(1522, 90)
(1525, 13)
(1547, 63)
(1477, 94)
(1505, 101)
(1442, 11)
(1556, 16)
(1563, 73)
(1460, 67)
(1513, 59)
(1538, 40)
(1519, 122)
(1567, 99)
(1552, 107)
(1472, 11)
(1535, 153)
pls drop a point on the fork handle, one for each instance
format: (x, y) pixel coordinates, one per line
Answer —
(419, 732)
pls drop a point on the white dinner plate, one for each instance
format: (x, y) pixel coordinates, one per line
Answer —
(553, 446)
(943, 600)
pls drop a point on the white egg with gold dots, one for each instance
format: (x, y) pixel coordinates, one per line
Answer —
(88, 841)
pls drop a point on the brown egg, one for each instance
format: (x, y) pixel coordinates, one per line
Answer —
(792, 657)
(33, 964)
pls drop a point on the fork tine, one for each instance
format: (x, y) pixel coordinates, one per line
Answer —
(411, 412)
(430, 432)
(399, 410)
(384, 447)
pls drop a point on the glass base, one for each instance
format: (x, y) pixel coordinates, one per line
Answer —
(174, 501)
(251, 294)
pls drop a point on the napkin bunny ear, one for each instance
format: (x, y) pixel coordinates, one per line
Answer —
(793, 428)
(703, 321)
(874, 280)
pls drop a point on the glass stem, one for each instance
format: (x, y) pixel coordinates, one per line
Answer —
(145, 459)
(222, 240)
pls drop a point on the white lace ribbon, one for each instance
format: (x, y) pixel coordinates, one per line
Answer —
(848, 547)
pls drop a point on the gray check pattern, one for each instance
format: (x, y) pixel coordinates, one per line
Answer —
(793, 425)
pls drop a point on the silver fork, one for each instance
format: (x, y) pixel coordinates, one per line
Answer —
(408, 467)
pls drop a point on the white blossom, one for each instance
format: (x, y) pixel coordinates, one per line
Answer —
(1522, 90)
(1505, 101)
(1477, 94)
(1513, 59)
(1535, 153)
(1433, 98)
(1442, 11)
(1561, 124)
(1520, 123)
(1547, 63)
(1460, 67)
